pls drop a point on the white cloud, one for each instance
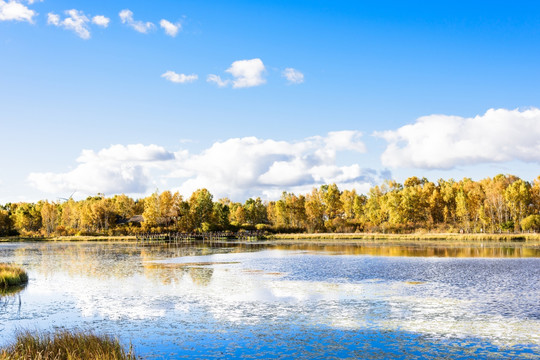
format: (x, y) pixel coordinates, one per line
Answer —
(126, 16)
(76, 21)
(246, 73)
(293, 76)
(217, 80)
(179, 78)
(237, 168)
(128, 153)
(101, 20)
(53, 19)
(117, 169)
(443, 142)
(15, 11)
(243, 167)
(170, 28)
(345, 140)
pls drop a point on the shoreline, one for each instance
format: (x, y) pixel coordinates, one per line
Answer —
(526, 239)
(443, 237)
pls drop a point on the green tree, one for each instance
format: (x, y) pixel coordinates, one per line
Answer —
(220, 214)
(201, 207)
(331, 196)
(518, 199)
(255, 211)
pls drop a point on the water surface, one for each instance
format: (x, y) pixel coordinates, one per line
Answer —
(258, 301)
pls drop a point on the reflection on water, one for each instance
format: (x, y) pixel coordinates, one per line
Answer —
(201, 276)
(485, 251)
(285, 301)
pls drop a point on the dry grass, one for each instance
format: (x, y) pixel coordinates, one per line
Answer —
(65, 345)
(83, 238)
(11, 276)
(530, 239)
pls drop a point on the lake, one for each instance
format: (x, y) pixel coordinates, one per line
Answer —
(269, 301)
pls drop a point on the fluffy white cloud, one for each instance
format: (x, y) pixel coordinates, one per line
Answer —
(179, 78)
(75, 21)
(101, 20)
(170, 28)
(117, 169)
(15, 11)
(443, 142)
(237, 168)
(246, 73)
(243, 167)
(293, 76)
(126, 16)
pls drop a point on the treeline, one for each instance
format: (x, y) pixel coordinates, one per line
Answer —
(503, 203)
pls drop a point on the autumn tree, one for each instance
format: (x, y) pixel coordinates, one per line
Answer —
(6, 225)
(49, 217)
(315, 211)
(26, 218)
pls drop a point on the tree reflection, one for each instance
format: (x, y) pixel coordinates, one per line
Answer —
(201, 275)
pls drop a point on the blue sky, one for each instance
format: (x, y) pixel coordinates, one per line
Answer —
(383, 89)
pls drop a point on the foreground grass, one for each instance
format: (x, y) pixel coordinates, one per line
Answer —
(11, 276)
(65, 345)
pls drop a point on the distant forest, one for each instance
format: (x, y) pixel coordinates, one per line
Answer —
(504, 203)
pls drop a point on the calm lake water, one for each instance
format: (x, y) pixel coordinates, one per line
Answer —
(258, 301)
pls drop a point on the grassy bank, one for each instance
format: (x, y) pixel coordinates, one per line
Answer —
(69, 238)
(530, 239)
(64, 345)
(11, 276)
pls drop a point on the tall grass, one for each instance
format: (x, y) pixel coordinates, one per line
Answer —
(525, 238)
(12, 275)
(65, 345)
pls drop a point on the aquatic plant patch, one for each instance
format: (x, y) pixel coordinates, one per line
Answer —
(12, 275)
(64, 345)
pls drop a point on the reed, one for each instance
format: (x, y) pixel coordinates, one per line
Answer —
(528, 238)
(12, 276)
(82, 238)
(65, 345)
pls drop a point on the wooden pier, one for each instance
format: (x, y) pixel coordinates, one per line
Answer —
(180, 238)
